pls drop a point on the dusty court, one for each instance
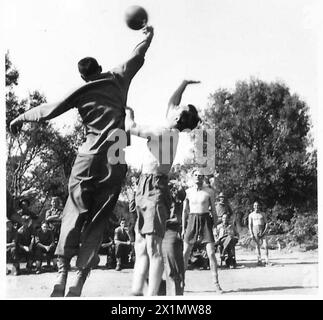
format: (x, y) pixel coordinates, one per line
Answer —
(292, 273)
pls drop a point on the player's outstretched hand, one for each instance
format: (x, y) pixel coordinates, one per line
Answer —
(16, 125)
(192, 81)
(148, 31)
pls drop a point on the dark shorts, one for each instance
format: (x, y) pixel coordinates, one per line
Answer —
(152, 204)
(199, 229)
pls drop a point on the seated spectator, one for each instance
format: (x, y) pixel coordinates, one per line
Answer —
(226, 238)
(54, 217)
(44, 245)
(122, 244)
(24, 246)
(24, 205)
(11, 241)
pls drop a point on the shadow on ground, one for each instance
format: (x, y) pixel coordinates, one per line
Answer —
(252, 264)
(260, 289)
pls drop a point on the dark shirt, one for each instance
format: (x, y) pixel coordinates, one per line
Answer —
(174, 221)
(121, 235)
(44, 238)
(24, 236)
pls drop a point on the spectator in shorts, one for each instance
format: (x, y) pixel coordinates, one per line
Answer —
(199, 199)
(258, 226)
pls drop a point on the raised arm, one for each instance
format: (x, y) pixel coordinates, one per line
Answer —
(128, 69)
(142, 47)
(176, 98)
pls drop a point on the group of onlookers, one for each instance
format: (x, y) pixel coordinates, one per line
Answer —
(31, 238)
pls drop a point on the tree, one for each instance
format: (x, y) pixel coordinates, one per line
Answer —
(261, 141)
(39, 159)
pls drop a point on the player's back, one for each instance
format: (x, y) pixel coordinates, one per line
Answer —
(101, 105)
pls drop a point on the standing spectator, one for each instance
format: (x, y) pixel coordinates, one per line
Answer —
(24, 246)
(44, 244)
(223, 207)
(227, 237)
(54, 217)
(24, 205)
(199, 199)
(172, 245)
(122, 244)
(11, 240)
(257, 224)
(107, 247)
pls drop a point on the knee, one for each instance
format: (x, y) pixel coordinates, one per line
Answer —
(210, 249)
(155, 252)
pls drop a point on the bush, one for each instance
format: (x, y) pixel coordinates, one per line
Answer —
(301, 230)
(304, 228)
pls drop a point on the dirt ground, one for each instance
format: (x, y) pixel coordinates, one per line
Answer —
(292, 273)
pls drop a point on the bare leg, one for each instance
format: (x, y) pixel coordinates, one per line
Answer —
(156, 263)
(187, 249)
(258, 245)
(213, 264)
(141, 266)
(266, 250)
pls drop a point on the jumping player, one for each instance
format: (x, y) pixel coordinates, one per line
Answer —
(95, 181)
(153, 198)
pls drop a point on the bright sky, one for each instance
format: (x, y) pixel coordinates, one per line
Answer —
(217, 42)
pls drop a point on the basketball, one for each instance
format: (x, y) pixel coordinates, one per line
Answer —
(136, 17)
